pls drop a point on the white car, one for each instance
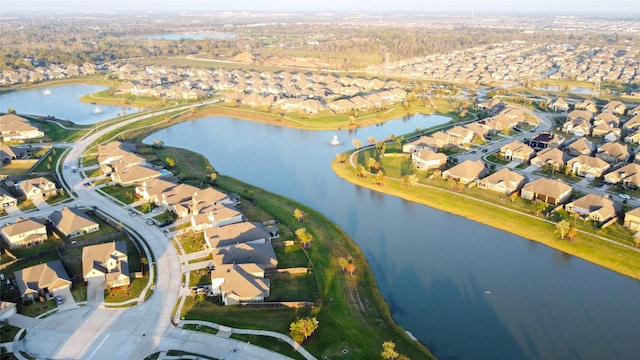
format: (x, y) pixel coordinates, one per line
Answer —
(132, 213)
(624, 196)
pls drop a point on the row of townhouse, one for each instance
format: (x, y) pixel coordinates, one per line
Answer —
(44, 73)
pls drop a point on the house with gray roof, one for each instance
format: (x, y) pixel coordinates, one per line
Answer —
(38, 188)
(244, 232)
(239, 283)
(261, 254)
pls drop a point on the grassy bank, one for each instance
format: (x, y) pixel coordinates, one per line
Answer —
(352, 313)
(588, 247)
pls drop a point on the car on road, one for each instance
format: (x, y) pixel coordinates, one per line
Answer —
(86, 184)
(624, 196)
(473, 151)
(149, 222)
(132, 213)
(485, 150)
(59, 300)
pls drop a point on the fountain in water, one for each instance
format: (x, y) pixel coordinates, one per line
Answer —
(97, 110)
(46, 92)
(335, 140)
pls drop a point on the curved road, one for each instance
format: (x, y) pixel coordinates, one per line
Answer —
(95, 332)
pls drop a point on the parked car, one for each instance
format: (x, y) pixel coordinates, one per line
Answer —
(625, 196)
(59, 300)
(150, 222)
(164, 223)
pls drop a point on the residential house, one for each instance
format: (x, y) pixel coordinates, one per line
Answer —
(550, 157)
(505, 181)
(613, 152)
(559, 105)
(545, 140)
(243, 232)
(578, 126)
(239, 283)
(493, 106)
(7, 154)
(632, 124)
(42, 280)
(606, 118)
(107, 262)
(517, 151)
(634, 138)
(635, 111)
(582, 146)
(23, 232)
(465, 172)
(182, 199)
(628, 176)
(218, 215)
(14, 127)
(427, 159)
(592, 207)
(261, 254)
(423, 142)
(460, 135)
(587, 166)
(606, 131)
(615, 107)
(6, 200)
(72, 222)
(632, 219)
(38, 188)
(588, 105)
(443, 140)
(551, 191)
(126, 175)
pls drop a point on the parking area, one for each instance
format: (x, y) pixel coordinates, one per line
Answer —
(68, 301)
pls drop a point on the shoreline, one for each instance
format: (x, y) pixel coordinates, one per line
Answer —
(588, 247)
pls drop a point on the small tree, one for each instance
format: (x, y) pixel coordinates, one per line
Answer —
(380, 178)
(301, 329)
(572, 234)
(343, 261)
(351, 267)
(389, 350)
(300, 215)
(356, 143)
(342, 158)
(304, 237)
(213, 177)
(170, 162)
(562, 228)
(539, 206)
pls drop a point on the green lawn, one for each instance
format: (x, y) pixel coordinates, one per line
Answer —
(35, 308)
(126, 293)
(199, 278)
(50, 160)
(8, 332)
(125, 194)
(290, 256)
(192, 242)
(288, 287)
(270, 343)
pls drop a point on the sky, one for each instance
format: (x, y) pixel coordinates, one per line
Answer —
(628, 8)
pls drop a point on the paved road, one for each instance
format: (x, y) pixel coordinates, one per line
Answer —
(95, 332)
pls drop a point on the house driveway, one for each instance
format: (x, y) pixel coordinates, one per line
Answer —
(69, 301)
(95, 291)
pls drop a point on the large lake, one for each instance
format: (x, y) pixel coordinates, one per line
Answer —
(465, 290)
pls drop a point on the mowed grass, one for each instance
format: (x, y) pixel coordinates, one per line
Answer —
(588, 247)
(344, 321)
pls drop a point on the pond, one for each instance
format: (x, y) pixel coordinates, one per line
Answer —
(464, 289)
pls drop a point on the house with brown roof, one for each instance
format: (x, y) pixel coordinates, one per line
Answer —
(465, 172)
(23, 232)
(427, 159)
(551, 157)
(632, 124)
(582, 146)
(38, 188)
(609, 133)
(613, 152)
(132, 174)
(632, 219)
(14, 127)
(587, 166)
(261, 254)
(42, 280)
(606, 118)
(559, 105)
(628, 176)
(588, 105)
(505, 181)
(423, 142)
(592, 207)
(239, 283)
(493, 106)
(548, 190)
(577, 127)
(615, 107)
(107, 262)
(7, 200)
(243, 232)
(72, 222)
(217, 215)
(517, 151)
(460, 135)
